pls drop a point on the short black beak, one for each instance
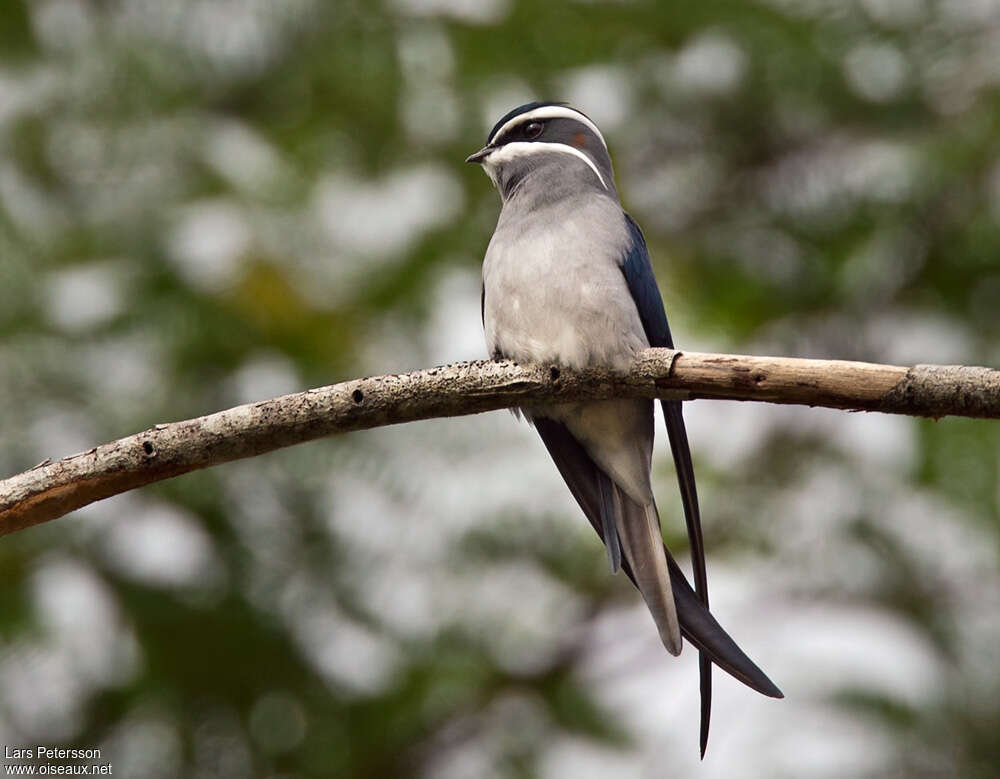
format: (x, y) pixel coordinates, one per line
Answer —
(481, 155)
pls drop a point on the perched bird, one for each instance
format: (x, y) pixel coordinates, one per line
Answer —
(567, 281)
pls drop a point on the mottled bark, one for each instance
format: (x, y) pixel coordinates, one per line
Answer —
(52, 489)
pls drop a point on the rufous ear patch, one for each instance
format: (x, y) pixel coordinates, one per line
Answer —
(579, 140)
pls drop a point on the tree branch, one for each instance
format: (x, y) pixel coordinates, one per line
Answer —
(52, 489)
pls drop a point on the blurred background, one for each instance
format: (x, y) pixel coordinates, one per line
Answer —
(208, 202)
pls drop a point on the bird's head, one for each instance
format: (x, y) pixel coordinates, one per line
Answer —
(552, 143)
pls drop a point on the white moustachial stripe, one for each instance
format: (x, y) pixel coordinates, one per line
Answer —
(510, 151)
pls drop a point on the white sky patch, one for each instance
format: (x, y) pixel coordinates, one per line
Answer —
(904, 337)
(208, 242)
(876, 71)
(500, 95)
(146, 743)
(765, 252)
(58, 431)
(240, 37)
(807, 651)
(455, 328)
(453, 487)
(863, 647)
(391, 343)
(62, 25)
(725, 433)
(478, 482)
(264, 375)
(120, 175)
(125, 370)
(969, 13)
(246, 159)
(896, 13)
(359, 494)
(473, 756)
(712, 63)
(404, 596)
(27, 206)
(880, 266)
(79, 612)
(425, 53)
(431, 113)
(945, 543)
(344, 651)
(82, 297)
(24, 89)
(825, 178)
(881, 441)
(819, 509)
(831, 743)
(431, 110)
(471, 11)
(163, 546)
(509, 723)
(42, 691)
(881, 170)
(730, 432)
(582, 758)
(384, 217)
(525, 612)
(674, 193)
(602, 92)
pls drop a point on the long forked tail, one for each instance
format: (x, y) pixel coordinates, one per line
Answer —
(583, 477)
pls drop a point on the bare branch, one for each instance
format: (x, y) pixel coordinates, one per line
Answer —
(53, 489)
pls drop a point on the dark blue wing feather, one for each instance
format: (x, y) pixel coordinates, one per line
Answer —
(638, 272)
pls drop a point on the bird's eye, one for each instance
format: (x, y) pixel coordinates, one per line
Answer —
(533, 129)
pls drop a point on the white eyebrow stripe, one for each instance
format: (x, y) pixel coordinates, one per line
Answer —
(550, 112)
(515, 149)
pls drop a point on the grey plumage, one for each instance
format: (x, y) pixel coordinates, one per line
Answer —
(556, 294)
(567, 281)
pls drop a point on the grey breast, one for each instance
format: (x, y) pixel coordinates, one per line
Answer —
(554, 287)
